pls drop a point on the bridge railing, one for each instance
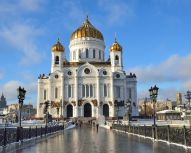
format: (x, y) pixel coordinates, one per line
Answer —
(179, 135)
(15, 134)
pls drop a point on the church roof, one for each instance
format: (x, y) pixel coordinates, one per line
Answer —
(115, 46)
(58, 47)
(86, 30)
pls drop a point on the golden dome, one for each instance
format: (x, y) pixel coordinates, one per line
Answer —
(58, 47)
(115, 47)
(86, 30)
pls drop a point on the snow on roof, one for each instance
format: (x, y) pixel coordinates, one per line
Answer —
(167, 111)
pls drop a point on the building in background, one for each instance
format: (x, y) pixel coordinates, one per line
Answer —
(146, 106)
(87, 85)
(11, 112)
(178, 98)
(3, 101)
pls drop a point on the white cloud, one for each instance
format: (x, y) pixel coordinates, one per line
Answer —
(175, 68)
(19, 6)
(21, 37)
(116, 11)
(10, 90)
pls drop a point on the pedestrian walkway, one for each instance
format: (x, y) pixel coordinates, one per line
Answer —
(87, 140)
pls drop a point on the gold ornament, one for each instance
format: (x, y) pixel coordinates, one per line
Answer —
(86, 30)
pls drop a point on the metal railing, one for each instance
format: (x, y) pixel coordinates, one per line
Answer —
(179, 135)
(16, 134)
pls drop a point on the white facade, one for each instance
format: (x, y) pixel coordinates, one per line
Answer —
(87, 85)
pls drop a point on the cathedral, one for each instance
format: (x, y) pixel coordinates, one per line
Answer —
(87, 85)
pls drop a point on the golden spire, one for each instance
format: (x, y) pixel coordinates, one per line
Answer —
(115, 46)
(58, 47)
(86, 30)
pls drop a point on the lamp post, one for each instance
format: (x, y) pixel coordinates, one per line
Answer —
(117, 110)
(188, 97)
(128, 106)
(153, 95)
(57, 110)
(46, 105)
(21, 96)
(145, 107)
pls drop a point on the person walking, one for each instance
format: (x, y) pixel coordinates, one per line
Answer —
(97, 126)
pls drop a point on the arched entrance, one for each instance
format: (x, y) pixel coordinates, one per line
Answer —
(106, 110)
(87, 110)
(69, 109)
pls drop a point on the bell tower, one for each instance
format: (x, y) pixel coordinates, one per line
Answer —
(116, 56)
(57, 57)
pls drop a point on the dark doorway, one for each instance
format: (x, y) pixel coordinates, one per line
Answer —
(106, 110)
(69, 111)
(87, 110)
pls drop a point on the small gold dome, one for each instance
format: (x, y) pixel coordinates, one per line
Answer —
(58, 47)
(87, 30)
(115, 47)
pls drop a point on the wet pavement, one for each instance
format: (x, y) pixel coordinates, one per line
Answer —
(87, 140)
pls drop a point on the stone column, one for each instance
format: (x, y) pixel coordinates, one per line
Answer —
(50, 96)
(76, 96)
(98, 97)
(112, 97)
(39, 97)
(62, 94)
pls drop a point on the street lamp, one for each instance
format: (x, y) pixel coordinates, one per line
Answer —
(188, 97)
(153, 95)
(57, 110)
(21, 96)
(117, 109)
(46, 105)
(128, 106)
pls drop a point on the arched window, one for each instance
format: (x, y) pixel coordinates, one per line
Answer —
(44, 94)
(83, 90)
(87, 53)
(99, 54)
(57, 60)
(105, 90)
(91, 90)
(94, 89)
(87, 90)
(118, 95)
(79, 53)
(116, 59)
(93, 53)
(69, 91)
(56, 92)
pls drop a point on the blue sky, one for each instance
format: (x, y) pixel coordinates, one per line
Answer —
(155, 35)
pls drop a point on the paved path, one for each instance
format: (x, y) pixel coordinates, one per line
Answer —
(88, 140)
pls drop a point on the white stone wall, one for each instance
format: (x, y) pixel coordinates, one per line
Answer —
(60, 79)
(86, 43)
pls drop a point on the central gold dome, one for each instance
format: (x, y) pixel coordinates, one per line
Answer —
(87, 30)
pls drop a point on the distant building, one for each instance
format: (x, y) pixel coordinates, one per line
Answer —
(28, 112)
(178, 98)
(168, 115)
(3, 101)
(146, 106)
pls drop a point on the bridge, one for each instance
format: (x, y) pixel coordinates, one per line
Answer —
(86, 139)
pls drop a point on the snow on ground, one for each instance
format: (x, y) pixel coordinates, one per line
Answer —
(70, 127)
(105, 126)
